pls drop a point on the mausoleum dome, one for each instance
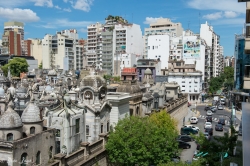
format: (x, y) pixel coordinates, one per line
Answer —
(10, 118)
(31, 113)
(147, 72)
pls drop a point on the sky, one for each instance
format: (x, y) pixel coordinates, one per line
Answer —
(48, 16)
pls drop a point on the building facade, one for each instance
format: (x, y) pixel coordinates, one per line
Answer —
(12, 43)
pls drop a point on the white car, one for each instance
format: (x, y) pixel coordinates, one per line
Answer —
(220, 107)
(208, 125)
(193, 127)
(206, 135)
(194, 120)
(209, 113)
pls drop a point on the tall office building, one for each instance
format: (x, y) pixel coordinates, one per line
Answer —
(163, 26)
(18, 29)
(62, 51)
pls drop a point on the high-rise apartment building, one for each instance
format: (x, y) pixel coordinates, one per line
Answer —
(17, 28)
(162, 26)
(36, 50)
(62, 51)
(26, 47)
(11, 41)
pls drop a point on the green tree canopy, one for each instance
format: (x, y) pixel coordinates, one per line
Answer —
(17, 66)
(40, 66)
(143, 141)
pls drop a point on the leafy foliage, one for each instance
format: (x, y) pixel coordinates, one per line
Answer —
(17, 66)
(40, 66)
(143, 141)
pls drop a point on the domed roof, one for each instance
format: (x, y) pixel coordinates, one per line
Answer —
(31, 113)
(10, 118)
(93, 80)
(128, 88)
(52, 73)
(2, 92)
(148, 72)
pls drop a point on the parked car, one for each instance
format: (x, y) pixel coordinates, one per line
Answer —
(193, 127)
(222, 121)
(209, 130)
(185, 138)
(218, 127)
(222, 101)
(206, 135)
(209, 112)
(184, 145)
(208, 124)
(194, 120)
(220, 107)
(209, 119)
(188, 131)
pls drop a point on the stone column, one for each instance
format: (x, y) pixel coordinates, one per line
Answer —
(85, 145)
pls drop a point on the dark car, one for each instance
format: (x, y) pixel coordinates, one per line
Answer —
(218, 127)
(188, 131)
(184, 145)
(185, 138)
(209, 130)
(207, 108)
(222, 121)
(209, 119)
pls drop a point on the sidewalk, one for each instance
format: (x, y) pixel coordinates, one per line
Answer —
(190, 114)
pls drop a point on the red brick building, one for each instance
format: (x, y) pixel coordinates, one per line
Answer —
(11, 42)
(26, 47)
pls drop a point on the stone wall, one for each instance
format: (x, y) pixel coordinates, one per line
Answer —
(161, 78)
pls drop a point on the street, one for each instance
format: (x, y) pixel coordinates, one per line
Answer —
(187, 154)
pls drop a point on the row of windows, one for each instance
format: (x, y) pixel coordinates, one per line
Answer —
(10, 136)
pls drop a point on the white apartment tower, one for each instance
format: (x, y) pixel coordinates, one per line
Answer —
(94, 45)
(127, 42)
(36, 50)
(62, 51)
(163, 26)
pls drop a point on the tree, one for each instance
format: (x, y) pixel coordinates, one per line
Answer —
(40, 66)
(17, 66)
(143, 141)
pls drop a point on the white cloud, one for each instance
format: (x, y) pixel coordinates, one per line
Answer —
(67, 9)
(16, 14)
(83, 5)
(57, 7)
(47, 3)
(213, 16)
(12, 3)
(230, 14)
(150, 20)
(84, 30)
(65, 23)
(221, 5)
(233, 22)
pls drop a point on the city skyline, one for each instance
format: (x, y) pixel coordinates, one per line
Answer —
(227, 19)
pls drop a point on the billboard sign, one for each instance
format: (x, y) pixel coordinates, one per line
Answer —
(191, 48)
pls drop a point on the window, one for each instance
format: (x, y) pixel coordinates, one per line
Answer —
(50, 152)
(178, 64)
(77, 125)
(107, 126)
(58, 133)
(10, 137)
(153, 47)
(87, 129)
(149, 47)
(23, 159)
(38, 156)
(32, 130)
(101, 128)
(122, 62)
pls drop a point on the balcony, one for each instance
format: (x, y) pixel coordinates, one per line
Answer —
(246, 84)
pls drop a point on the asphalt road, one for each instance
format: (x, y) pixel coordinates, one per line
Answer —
(187, 154)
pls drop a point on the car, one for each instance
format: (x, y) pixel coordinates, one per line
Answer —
(185, 138)
(206, 108)
(218, 127)
(213, 108)
(222, 121)
(209, 130)
(193, 120)
(188, 131)
(220, 107)
(209, 113)
(183, 145)
(209, 119)
(208, 124)
(193, 127)
(222, 101)
(206, 135)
